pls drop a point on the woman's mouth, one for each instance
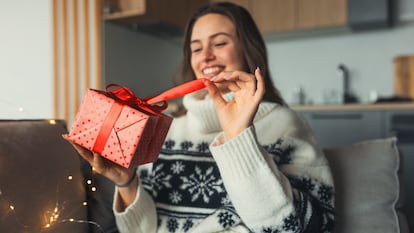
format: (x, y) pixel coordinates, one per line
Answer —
(212, 71)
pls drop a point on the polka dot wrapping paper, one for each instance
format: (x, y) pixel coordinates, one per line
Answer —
(124, 128)
(124, 134)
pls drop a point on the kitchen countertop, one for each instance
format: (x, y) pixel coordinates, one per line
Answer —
(355, 107)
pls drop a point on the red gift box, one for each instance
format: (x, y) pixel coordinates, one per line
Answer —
(122, 127)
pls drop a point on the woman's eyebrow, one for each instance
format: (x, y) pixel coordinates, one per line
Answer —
(213, 36)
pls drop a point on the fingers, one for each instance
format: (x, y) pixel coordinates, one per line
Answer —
(94, 159)
(260, 84)
(238, 80)
(83, 152)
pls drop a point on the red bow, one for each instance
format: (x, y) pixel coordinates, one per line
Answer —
(128, 97)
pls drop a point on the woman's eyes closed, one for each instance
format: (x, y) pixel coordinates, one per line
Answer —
(197, 49)
(220, 44)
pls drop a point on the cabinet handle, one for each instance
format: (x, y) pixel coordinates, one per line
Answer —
(355, 116)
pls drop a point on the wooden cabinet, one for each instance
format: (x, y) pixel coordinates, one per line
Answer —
(122, 9)
(289, 15)
(174, 13)
(270, 15)
(320, 13)
(274, 15)
(243, 3)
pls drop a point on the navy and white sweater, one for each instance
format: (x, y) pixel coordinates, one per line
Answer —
(271, 178)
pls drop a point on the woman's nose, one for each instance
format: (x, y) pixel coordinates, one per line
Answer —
(208, 54)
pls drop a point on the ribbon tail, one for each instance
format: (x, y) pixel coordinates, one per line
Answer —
(178, 91)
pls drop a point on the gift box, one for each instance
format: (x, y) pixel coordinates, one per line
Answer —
(122, 127)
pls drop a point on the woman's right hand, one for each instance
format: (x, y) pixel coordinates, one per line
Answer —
(116, 173)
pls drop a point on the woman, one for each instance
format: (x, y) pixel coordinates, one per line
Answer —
(239, 160)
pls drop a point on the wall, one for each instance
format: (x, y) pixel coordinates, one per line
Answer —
(140, 61)
(312, 63)
(25, 59)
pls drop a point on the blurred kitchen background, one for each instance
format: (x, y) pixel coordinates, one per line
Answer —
(313, 47)
(346, 65)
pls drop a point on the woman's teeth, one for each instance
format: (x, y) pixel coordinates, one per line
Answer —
(211, 70)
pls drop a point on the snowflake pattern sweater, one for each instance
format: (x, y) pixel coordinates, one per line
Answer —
(272, 178)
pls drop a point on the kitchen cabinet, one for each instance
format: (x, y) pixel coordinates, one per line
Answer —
(122, 9)
(130, 12)
(336, 128)
(320, 13)
(342, 127)
(290, 15)
(270, 15)
(274, 15)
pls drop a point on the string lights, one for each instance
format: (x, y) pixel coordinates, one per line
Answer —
(52, 217)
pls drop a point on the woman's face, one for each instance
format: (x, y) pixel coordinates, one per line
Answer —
(214, 46)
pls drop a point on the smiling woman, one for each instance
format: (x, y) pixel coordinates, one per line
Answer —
(239, 159)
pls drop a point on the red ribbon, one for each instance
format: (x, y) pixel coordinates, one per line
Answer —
(126, 96)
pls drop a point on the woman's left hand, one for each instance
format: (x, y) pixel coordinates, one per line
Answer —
(248, 89)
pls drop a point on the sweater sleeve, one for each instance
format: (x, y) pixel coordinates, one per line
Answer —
(139, 217)
(284, 187)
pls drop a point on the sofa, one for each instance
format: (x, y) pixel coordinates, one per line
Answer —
(46, 187)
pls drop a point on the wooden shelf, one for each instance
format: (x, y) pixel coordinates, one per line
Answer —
(175, 13)
(124, 14)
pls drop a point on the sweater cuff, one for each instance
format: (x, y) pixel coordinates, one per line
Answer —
(140, 214)
(239, 156)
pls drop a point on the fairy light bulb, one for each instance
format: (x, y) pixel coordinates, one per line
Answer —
(11, 207)
(52, 122)
(70, 177)
(85, 203)
(89, 181)
(93, 189)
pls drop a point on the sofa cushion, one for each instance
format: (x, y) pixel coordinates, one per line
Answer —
(41, 185)
(367, 187)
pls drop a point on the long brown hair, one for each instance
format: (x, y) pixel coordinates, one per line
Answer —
(252, 43)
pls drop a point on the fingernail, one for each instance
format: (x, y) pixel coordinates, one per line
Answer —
(227, 74)
(207, 82)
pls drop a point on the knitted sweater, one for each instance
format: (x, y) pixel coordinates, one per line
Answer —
(271, 178)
